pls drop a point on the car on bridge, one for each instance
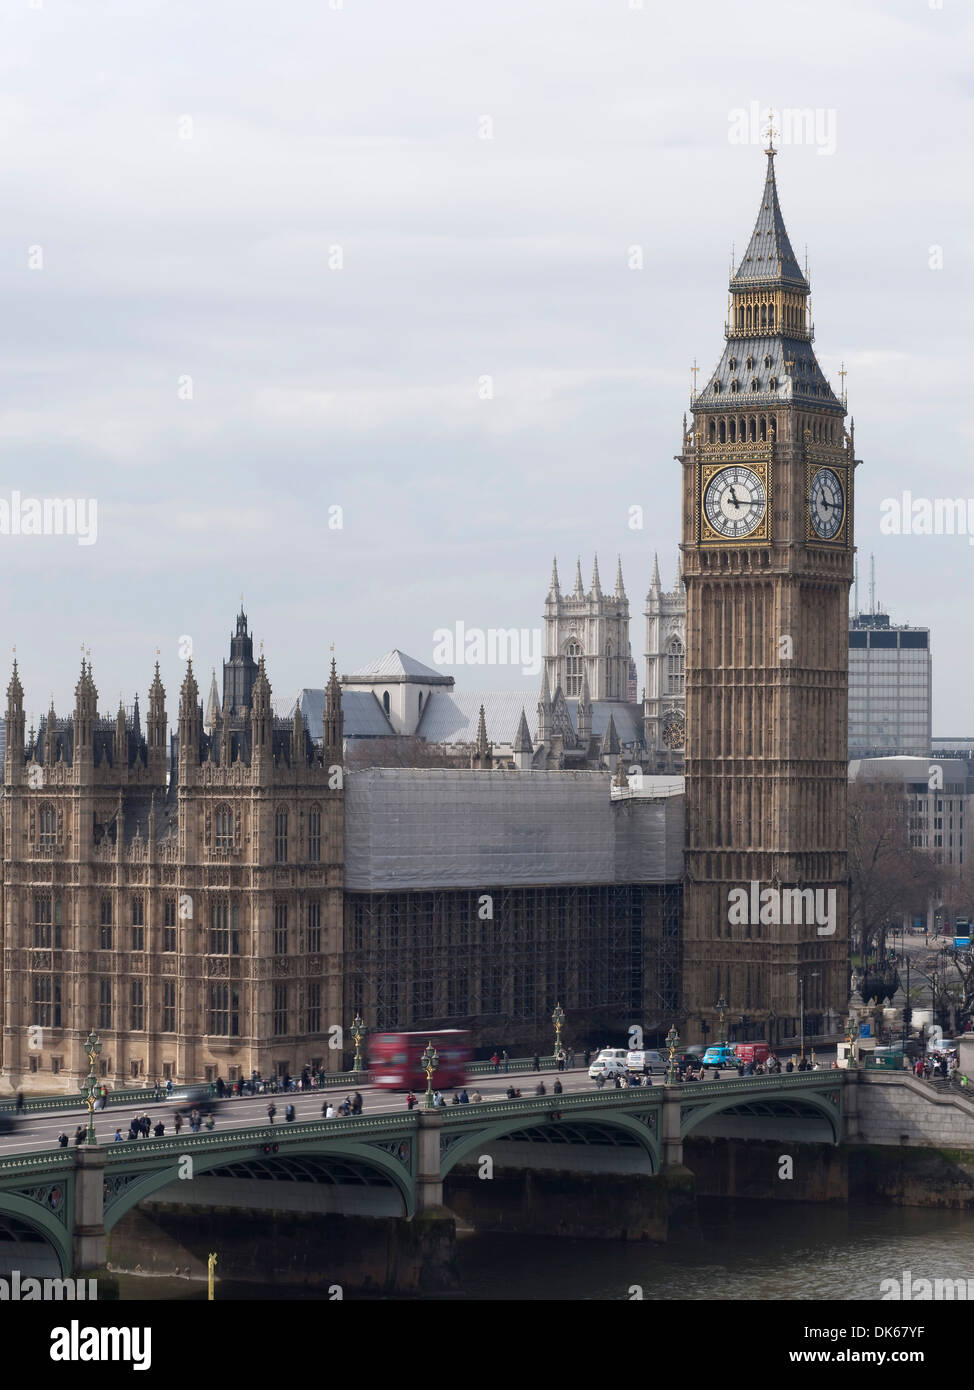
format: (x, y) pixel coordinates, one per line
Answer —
(647, 1062)
(721, 1055)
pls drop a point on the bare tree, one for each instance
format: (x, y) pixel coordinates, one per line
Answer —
(888, 876)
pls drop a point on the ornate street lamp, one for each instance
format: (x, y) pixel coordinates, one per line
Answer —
(558, 1018)
(357, 1027)
(92, 1046)
(429, 1062)
(672, 1038)
(721, 1007)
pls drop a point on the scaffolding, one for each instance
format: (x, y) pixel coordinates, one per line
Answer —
(481, 899)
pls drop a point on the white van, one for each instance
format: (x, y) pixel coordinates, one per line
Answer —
(647, 1062)
(607, 1066)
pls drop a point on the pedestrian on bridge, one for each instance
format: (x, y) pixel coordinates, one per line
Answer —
(410, 1101)
(19, 1106)
(80, 1135)
(289, 1113)
(357, 1103)
(536, 1063)
(117, 1140)
(63, 1139)
(464, 1098)
(329, 1110)
(159, 1130)
(271, 1112)
(495, 1060)
(177, 1122)
(540, 1089)
(557, 1087)
(506, 1060)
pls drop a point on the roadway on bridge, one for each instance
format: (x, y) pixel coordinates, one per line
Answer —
(36, 1132)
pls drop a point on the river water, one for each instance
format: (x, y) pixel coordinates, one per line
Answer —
(753, 1251)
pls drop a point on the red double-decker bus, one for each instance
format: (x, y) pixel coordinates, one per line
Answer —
(395, 1059)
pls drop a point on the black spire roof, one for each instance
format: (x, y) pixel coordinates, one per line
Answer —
(769, 257)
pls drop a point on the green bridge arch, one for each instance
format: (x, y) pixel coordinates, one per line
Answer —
(787, 1102)
(44, 1222)
(605, 1118)
(399, 1175)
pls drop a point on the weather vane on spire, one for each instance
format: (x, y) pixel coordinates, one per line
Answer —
(771, 132)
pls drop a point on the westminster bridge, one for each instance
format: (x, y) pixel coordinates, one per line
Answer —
(395, 1165)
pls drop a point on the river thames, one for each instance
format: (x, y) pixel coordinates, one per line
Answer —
(749, 1251)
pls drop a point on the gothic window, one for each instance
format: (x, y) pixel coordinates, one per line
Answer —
(385, 701)
(223, 828)
(314, 1006)
(767, 361)
(223, 1011)
(773, 384)
(104, 1003)
(314, 927)
(169, 1006)
(47, 824)
(573, 669)
(732, 362)
(420, 702)
(224, 929)
(42, 920)
(137, 1011)
(280, 929)
(723, 432)
(169, 925)
(763, 427)
(752, 428)
(716, 388)
(675, 667)
(733, 431)
(713, 432)
(771, 316)
(280, 1011)
(47, 1001)
(280, 836)
(749, 364)
(754, 383)
(138, 923)
(735, 385)
(609, 684)
(314, 834)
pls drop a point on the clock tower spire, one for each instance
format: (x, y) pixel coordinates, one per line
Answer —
(767, 561)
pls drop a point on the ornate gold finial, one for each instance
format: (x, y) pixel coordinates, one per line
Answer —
(843, 374)
(771, 132)
(694, 369)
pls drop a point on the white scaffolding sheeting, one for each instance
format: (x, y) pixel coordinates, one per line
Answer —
(412, 828)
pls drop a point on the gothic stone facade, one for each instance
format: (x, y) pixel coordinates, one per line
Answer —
(193, 920)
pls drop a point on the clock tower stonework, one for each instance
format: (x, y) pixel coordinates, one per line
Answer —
(767, 563)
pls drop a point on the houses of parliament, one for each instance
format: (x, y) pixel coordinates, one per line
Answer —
(217, 899)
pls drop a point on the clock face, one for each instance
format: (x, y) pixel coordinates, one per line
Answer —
(674, 731)
(826, 503)
(734, 502)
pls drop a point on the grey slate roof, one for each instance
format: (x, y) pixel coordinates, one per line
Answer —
(397, 666)
(805, 383)
(362, 715)
(769, 256)
(452, 717)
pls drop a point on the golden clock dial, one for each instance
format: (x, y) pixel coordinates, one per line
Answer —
(734, 502)
(826, 503)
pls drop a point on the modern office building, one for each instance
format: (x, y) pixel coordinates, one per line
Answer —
(890, 689)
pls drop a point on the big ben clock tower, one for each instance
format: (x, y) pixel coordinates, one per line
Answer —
(767, 561)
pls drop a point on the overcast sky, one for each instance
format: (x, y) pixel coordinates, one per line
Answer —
(257, 261)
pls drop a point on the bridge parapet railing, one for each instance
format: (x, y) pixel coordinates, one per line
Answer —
(570, 1100)
(48, 1160)
(796, 1081)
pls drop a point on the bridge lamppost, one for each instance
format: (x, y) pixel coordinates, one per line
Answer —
(672, 1038)
(357, 1027)
(92, 1046)
(558, 1018)
(429, 1062)
(721, 1007)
